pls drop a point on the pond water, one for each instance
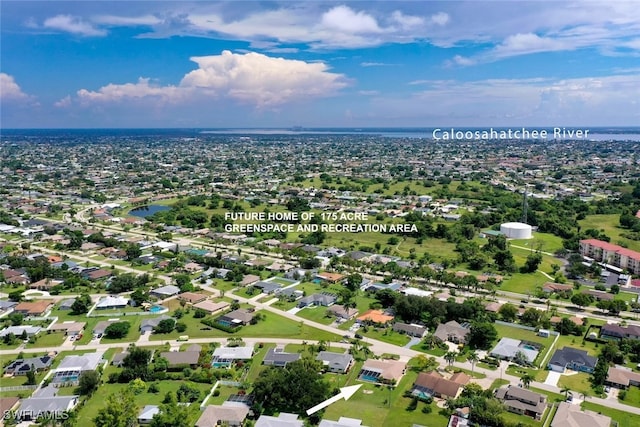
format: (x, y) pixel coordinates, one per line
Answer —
(145, 211)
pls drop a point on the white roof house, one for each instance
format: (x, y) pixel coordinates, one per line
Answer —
(225, 356)
(112, 302)
(166, 291)
(82, 362)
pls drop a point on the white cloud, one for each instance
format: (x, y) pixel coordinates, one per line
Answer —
(406, 21)
(345, 19)
(541, 101)
(262, 80)
(463, 61)
(73, 25)
(521, 44)
(142, 89)
(63, 103)
(251, 78)
(375, 64)
(126, 21)
(10, 90)
(440, 18)
(315, 24)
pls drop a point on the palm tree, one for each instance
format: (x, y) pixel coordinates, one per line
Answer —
(450, 357)
(526, 380)
(565, 390)
(473, 359)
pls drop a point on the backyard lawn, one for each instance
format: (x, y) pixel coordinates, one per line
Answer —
(50, 340)
(98, 400)
(272, 326)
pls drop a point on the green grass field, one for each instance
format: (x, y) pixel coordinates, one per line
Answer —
(610, 224)
(622, 418)
(52, 340)
(98, 401)
(577, 382)
(632, 397)
(273, 326)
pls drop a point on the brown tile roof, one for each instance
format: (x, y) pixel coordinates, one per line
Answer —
(440, 385)
(192, 297)
(33, 308)
(622, 377)
(389, 369)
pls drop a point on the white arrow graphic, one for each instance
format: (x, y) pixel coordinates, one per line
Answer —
(345, 392)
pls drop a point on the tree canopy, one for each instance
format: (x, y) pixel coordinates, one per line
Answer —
(294, 388)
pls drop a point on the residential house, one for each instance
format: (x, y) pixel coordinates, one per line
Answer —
(94, 275)
(179, 359)
(35, 308)
(522, 401)
(382, 371)
(330, 277)
(622, 378)
(324, 299)
(452, 331)
(234, 318)
(268, 287)
(551, 287)
(599, 295)
(378, 286)
(66, 304)
(148, 325)
(33, 407)
(278, 357)
(8, 404)
(145, 416)
(375, 317)
(231, 414)
(102, 326)
(342, 312)
(433, 384)
(249, 279)
(118, 358)
(338, 363)
(112, 303)
(512, 349)
(165, 291)
(212, 307)
(615, 331)
(71, 367)
(572, 358)
(418, 331)
(227, 356)
(45, 284)
(19, 330)
(69, 328)
(284, 419)
(569, 415)
(22, 366)
(192, 297)
(342, 422)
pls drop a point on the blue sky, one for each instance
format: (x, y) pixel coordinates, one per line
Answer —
(339, 64)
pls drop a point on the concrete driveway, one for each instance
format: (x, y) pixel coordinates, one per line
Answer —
(553, 378)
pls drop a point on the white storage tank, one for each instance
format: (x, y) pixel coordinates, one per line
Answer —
(516, 230)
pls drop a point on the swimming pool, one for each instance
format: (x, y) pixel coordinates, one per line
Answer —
(371, 378)
(156, 309)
